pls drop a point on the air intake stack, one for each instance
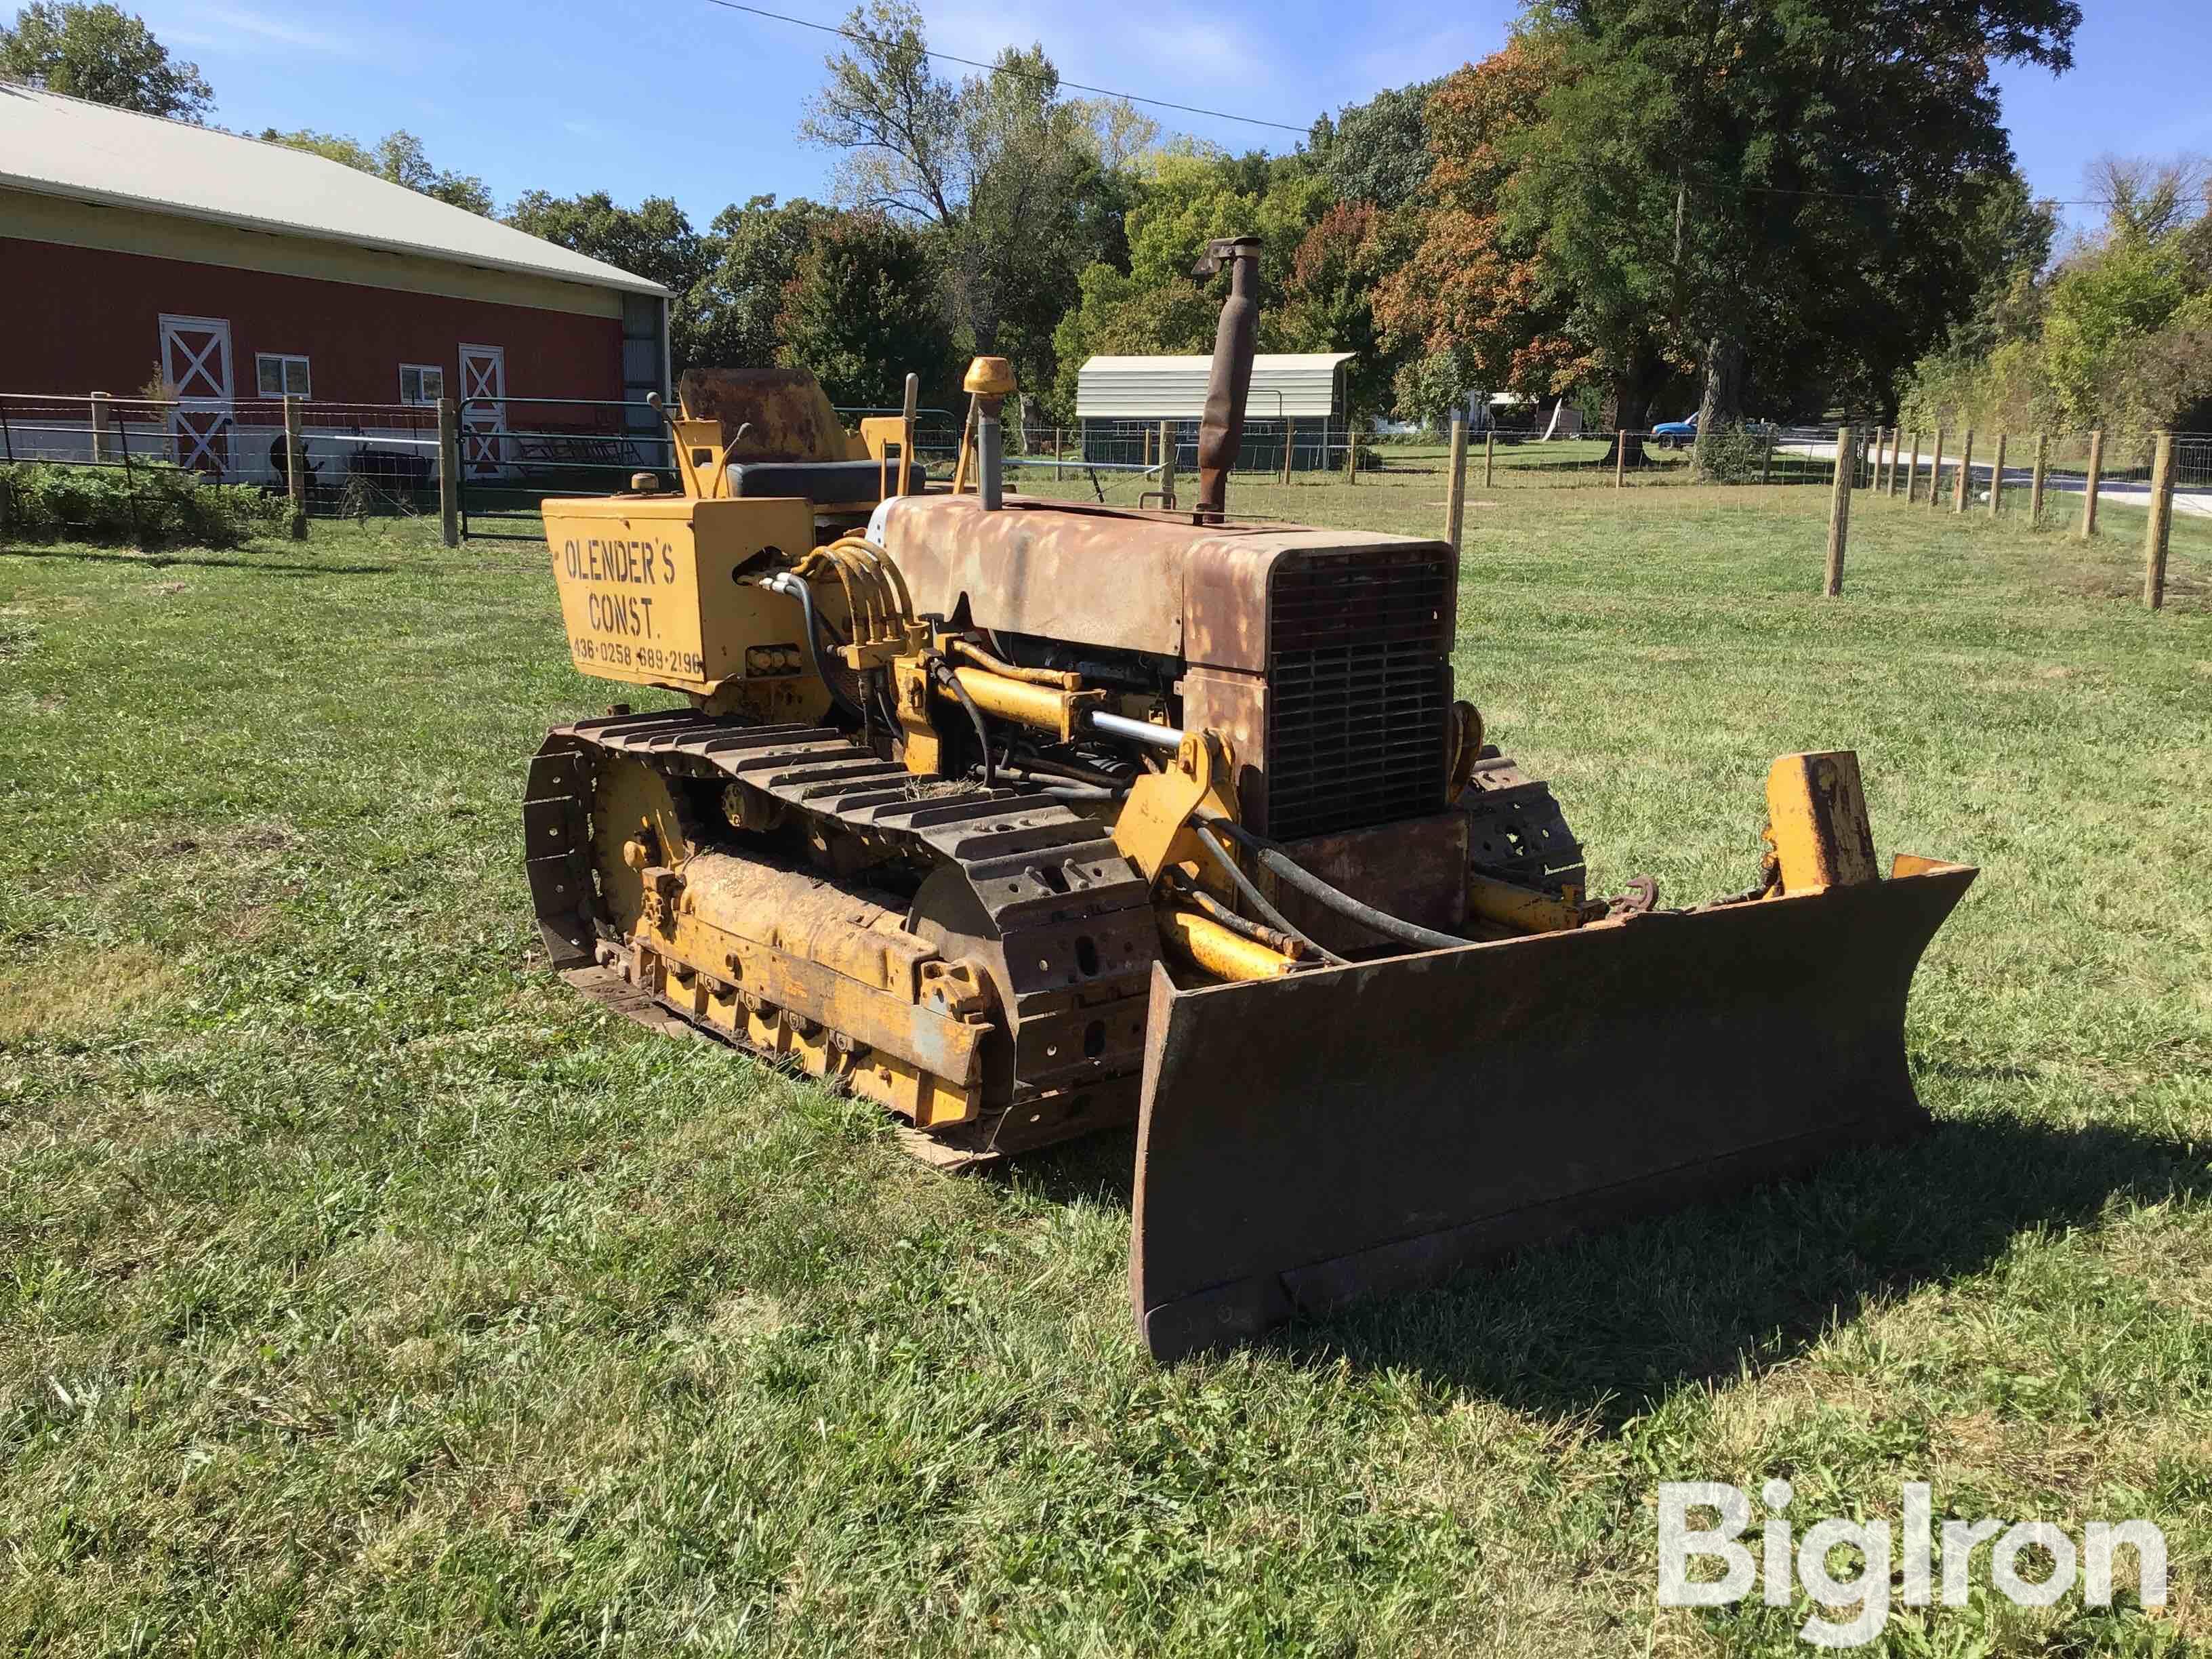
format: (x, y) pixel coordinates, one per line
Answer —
(1221, 433)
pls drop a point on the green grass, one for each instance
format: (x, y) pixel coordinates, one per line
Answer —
(365, 1290)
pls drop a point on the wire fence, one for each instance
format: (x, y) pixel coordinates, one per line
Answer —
(357, 459)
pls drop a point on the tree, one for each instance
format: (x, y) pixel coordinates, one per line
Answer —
(2118, 335)
(1017, 187)
(1190, 194)
(398, 159)
(1713, 182)
(653, 239)
(1377, 152)
(103, 53)
(1461, 295)
(734, 309)
(862, 312)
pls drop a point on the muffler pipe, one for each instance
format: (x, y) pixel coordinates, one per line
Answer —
(990, 457)
(1221, 432)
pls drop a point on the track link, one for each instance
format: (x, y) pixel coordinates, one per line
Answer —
(1072, 917)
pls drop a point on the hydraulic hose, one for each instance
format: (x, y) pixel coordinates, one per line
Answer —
(1213, 909)
(951, 681)
(1253, 896)
(790, 583)
(1379, 922)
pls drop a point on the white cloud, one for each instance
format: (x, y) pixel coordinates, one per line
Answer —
(208, 28)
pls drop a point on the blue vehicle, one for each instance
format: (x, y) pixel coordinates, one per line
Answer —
(1676, 434)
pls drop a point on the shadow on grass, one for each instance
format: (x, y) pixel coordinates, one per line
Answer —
(1608, 1323)
(156, 561)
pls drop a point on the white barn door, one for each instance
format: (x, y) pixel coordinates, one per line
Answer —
(195, 362)
(484, 410)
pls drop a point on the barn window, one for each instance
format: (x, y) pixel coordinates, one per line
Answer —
(279, 374)
(421, 383)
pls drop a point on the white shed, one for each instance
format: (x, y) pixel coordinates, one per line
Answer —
(1295, 396)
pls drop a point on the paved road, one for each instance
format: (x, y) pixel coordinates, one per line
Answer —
(2120, 492)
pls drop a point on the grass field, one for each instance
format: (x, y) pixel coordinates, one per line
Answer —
(365, 1290)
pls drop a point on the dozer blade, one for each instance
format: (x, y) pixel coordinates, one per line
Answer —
(1307, 1141)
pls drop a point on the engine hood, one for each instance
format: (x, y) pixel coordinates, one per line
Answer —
(1104, 576)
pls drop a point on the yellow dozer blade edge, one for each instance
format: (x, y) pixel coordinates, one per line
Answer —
(1307, 1141)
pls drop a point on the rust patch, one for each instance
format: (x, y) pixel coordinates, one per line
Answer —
(788, 412)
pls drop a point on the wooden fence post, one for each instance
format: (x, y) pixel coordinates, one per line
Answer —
(1455, 492)
(2089, 484)
(2161, 522)
(2035, 485)
(1935, 472)
(1766, 458)
(1963, 485)
(1911, 471)
(1290, 440)
(102, 445)
(449, 472)
(1350, 452)
(1059, 446)
(1840, 513)
(296, 468)
(1620, 457)
(1997, 475)
(1489, 456)
(1168, 466)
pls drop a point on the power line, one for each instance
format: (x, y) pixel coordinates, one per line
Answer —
(866, 40)
(861, 38)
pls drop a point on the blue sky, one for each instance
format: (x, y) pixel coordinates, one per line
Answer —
(682, 98)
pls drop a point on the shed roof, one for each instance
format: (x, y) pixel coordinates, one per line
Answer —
(1287, 383)
(57, 145)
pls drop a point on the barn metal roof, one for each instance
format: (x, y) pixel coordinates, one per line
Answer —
(57, 145)
(1174, 388)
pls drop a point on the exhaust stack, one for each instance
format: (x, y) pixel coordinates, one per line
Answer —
(1221, 433)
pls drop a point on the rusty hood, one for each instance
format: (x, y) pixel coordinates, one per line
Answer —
(1102, 576)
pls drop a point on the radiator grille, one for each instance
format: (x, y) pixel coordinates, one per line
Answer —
(1359, 689)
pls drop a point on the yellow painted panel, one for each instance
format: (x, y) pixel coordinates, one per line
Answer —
(649, 593)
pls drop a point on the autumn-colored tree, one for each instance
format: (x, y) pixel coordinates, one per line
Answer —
(1459, 291)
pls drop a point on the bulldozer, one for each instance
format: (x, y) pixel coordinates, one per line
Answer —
(1028, 819)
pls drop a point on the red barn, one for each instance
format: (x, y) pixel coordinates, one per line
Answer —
(144, 253)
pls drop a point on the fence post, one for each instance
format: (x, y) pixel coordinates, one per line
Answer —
(1997, 475)
(1935, 472)
(1456, 490)
(1167, 467)
(1620, 457)
(2089, 484)
(2161, 522)
(1963, 485)
(130, 485)
(449, 472)
(1885, 461)
(1350, 452)
(101, 445)
(295, 472)
(1290, 438)
(1840, 512)
(1766, 458)
(1057, 435)
(1911, 472)
(1489, 456)
(2035, 485)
